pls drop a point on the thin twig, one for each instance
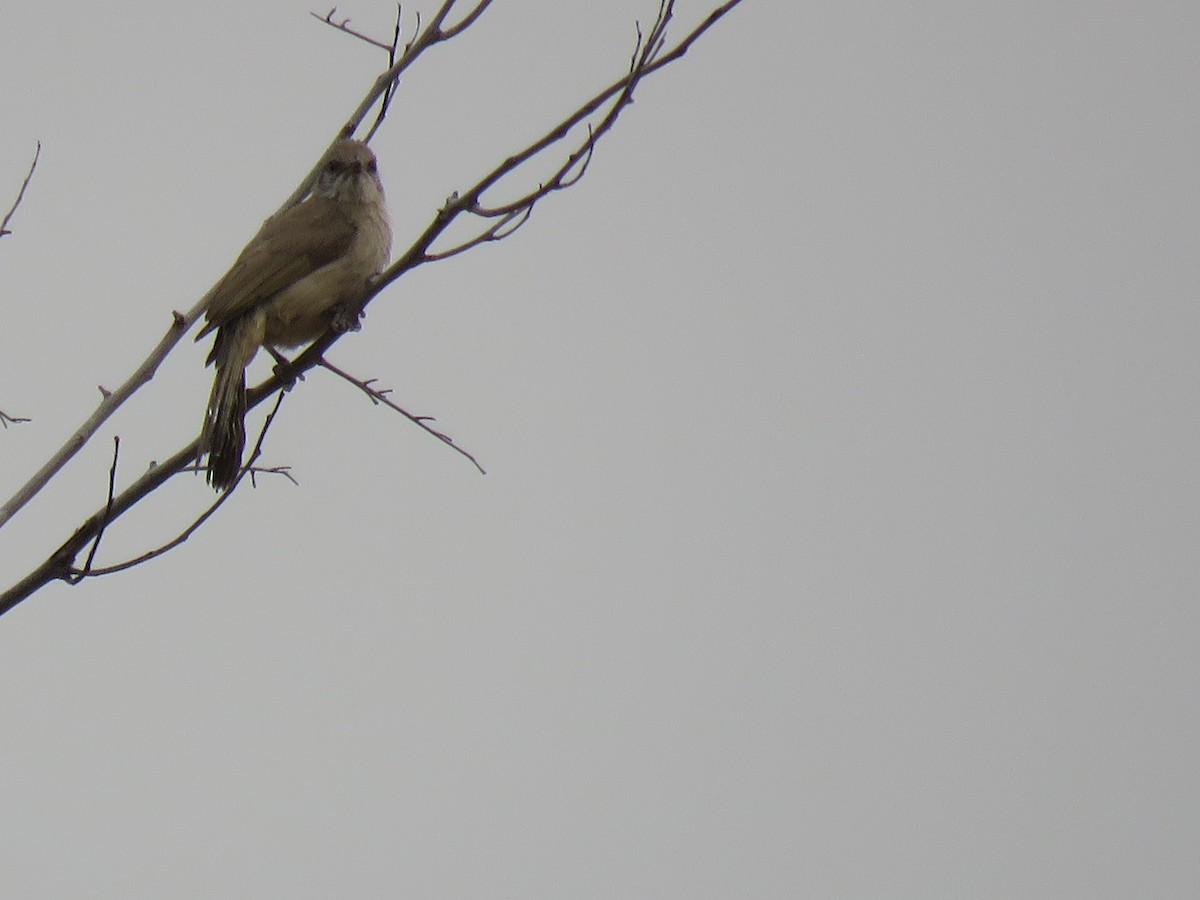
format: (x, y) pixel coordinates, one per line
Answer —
(204, 516)
(648, 58)
(344, 26)
(653, 55)
(388, 95)
(380, 395)
(511, 220)
(425, 38)
(5, 418)
(560, 180)
(21, 193)
(432, 35)
(180, 322)
(112, 481)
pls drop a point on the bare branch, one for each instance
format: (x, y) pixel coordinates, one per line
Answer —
(344, 26)
(650, 55)
(560, 180)
(60, 564)
(509, 222)
(430, 36)
(386, 103)
(5, 418)
(467, 21)
(59, 567)
(112, 480)
(249, 468)
(21, 193)
(285, 471)
(109, 403)
(380, 396)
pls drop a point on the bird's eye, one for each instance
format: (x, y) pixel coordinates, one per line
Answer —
(335, 166)
(371, 165)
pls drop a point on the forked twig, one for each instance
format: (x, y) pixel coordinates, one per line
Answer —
(344, 26)
(391, 48)
(248, 469)
(112, 480)
(509, 222)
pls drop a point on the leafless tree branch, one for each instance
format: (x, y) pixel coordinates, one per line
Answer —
(5, 418)
(431, 36)
(596, 116)
(248, 469)
(380, 396)
(59, 565)
(112, 482)
(344, 26)
(391, 48)
(109, 404)
(21, 193)
(650, 55)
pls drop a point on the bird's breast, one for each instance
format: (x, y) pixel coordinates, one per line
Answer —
(301, 312)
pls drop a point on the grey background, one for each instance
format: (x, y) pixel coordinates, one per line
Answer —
(840, 536)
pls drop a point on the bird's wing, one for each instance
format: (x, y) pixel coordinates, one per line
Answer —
(289, 247)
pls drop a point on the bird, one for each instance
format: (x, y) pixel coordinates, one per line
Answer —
(294, 280)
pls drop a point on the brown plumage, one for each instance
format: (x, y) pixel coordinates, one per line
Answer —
(284, 289)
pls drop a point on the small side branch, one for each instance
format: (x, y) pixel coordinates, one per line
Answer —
(344, 26)
(60, 566)
(650, 54)
(5, 418)
(109, 404)
(509, 221)
(249, 469)
(597, 115)
(430, 36)
(380, 396)
(112, 481)
(20, 194)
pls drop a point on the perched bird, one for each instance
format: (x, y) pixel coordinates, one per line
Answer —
(290, 283)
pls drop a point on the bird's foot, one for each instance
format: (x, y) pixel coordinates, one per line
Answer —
(345, 318)
(283, 370)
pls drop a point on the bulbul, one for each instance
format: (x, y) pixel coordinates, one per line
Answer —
(300, 272)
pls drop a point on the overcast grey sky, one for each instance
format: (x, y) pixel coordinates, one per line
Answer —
(839, 537)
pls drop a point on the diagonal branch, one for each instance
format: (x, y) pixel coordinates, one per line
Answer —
(112, 483)
(109, 403)
(344, 25)
(60, 565)
(649, 56)
(380, 396)
(191, 529)
(432, 35)
(21, 193)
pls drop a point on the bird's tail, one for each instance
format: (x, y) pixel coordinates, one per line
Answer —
(224, 434)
